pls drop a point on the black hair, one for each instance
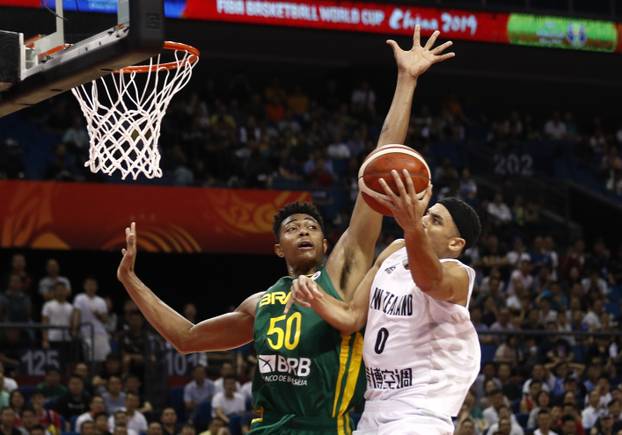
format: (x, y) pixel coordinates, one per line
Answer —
(465, 218)
(295, 208)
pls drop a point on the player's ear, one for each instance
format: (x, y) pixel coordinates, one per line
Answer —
(324, 245)
(456, 244)
(278, 250)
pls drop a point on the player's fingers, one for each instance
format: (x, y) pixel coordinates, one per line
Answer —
(387, 189)
(417, 36)
(305, 287)
(444, 57)
(123, 251)
(400, 184)
(442, 47)
(394, 45)
(385, 200)
(289, 303)
(431, 40)
(427, 195)
(410, 186)
(300, 302)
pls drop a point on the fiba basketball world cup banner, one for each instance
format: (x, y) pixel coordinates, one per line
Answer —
(385, 18)
(48, 215)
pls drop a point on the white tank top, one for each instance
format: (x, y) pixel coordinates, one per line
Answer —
(418, 350)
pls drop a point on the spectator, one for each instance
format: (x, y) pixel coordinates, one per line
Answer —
(217, 427)
(18, 267)
(48, 418)
(15, 306)
(94, 312)
(228, 403)
(59, 312)
(28, 420)
(543, 400)
(120, 420)
(112, 320)
(199, 390)
(76, 401)
(136, 421)
(506, 425)
(17, 403)
(225, 370)
(544, 423)
(7, 422)
(101, 424)
(46, 284)
(363, 99)
(155, 428)
(96, 407)
(593, 411)
(168, 418)
(187, 429)
(6, 384)
(464, 427)
(87, 428)
(134, 342)
(114, 398)
(51, 387)
(132, 385)
(555, 128)
(468, 187)
(499, 210)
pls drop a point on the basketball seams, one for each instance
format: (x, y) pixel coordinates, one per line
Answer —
(366, 191)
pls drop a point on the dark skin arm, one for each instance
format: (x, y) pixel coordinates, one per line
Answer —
(347, 317)
(224, 332)
(354, 252)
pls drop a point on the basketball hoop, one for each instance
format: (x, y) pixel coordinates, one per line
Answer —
(124, 120)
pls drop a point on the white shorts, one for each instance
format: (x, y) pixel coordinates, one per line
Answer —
(389, 417)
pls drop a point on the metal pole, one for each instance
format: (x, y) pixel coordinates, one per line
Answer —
(60, 21)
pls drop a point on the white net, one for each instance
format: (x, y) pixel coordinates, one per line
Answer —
(124, 111)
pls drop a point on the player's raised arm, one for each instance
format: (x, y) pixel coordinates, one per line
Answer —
(219, 333)
(347, 317)
(356, 246)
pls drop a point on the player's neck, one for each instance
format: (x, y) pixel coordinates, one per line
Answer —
(306, 269)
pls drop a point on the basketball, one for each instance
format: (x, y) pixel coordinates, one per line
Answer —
(381, 162)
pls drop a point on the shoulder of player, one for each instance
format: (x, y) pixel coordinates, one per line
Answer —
(390, 250)
(456, 277)
(249, 305)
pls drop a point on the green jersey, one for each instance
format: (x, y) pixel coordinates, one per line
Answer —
(309, 375)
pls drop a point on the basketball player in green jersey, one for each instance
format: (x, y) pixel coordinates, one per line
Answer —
(308, 373)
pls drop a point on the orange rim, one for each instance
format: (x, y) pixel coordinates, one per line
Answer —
(192, 58)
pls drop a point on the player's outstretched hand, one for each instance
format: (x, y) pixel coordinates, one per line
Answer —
(418, 59)
(126, 267)
(407, 206)
(304, 292)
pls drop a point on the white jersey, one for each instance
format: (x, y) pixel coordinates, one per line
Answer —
(418, 350)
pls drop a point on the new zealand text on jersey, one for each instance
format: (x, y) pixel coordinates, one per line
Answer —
(391, 304)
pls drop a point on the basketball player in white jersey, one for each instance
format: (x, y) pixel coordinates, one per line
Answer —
(421, 350)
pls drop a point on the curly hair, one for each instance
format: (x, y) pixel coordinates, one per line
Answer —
(295, 208)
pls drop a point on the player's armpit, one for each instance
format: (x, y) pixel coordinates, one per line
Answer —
(454, 286)
(352, 316)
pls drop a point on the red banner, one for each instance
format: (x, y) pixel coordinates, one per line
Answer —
(47, 215)
(354, 16)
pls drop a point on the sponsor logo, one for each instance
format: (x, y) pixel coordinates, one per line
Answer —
(279, 364)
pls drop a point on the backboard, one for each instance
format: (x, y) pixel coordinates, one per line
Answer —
(32, 70)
